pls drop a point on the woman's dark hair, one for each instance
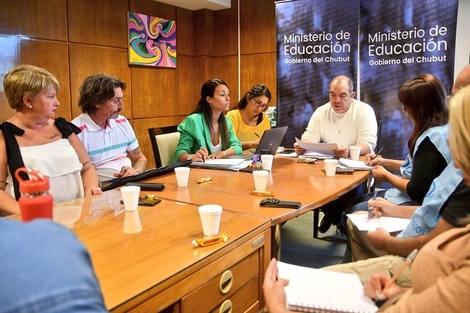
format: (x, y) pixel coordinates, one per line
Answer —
(257, 90)
(425, 99)
(208, 90)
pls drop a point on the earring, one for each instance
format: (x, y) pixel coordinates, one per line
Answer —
(30, 107)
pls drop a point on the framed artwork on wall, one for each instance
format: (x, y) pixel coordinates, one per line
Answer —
(152, 41)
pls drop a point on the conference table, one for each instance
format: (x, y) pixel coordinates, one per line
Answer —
(160, 269)
(289, 180)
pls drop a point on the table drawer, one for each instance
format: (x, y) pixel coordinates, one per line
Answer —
(221, 287)
(245, 300)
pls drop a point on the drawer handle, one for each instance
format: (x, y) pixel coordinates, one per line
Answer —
(226, 280)
(226, 307)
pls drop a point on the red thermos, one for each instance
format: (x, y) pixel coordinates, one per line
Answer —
(35, 200)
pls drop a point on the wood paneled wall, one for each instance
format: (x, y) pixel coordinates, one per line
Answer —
(76, 38)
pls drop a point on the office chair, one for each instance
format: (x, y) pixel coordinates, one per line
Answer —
(164, 141)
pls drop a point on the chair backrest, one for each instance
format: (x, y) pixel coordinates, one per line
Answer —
(164, 141)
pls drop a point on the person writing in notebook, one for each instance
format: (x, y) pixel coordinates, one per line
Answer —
(440, 271)
(346, 122)
(207, 133)
(424, 100)
(249, 119)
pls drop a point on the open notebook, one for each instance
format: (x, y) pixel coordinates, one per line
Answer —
(356, 165)
(317, 290)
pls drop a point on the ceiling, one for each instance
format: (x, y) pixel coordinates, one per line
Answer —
(192, 5)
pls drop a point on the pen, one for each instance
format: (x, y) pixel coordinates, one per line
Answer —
(200, 147)
(408, 260)
(257, 135)
(377, 154)
(370, 208)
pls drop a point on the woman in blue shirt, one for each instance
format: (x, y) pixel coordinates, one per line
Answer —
(207, 133)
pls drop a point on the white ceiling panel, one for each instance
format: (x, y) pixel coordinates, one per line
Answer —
(192, 5)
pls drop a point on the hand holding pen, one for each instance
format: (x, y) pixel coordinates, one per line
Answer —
(374, 157)
(371, 214)
(202, 151)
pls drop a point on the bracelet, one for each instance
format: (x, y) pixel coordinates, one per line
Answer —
(225, 153)
(190, 157)
(140, 172)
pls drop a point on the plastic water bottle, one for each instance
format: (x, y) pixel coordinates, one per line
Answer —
(35, 200)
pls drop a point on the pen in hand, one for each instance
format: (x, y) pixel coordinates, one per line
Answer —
(369, 215)
(200, 147)
(377, 154)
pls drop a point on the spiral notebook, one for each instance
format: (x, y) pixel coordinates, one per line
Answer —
(317, 290)
(356, 165)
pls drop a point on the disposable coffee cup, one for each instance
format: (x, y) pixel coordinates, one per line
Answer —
(182, 176)
(260, 178)
(354, 152)
(210, 219)
(267, 161)
(330, 167)
(130, 197)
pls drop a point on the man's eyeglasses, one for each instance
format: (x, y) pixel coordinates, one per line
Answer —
(259, 104)
(117, 101)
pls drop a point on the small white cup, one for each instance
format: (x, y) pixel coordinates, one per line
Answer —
(182, 176)
(132, 223)
(330, 167)
(261, 179)
(130, 197)
(354, 152)
(210, 219)
(267, 161)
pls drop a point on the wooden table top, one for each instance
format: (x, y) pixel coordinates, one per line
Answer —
(138, 265)
(289, 181)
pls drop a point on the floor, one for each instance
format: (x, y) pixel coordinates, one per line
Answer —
(299, 247)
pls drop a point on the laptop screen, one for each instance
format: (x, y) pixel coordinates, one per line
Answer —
(271, 140)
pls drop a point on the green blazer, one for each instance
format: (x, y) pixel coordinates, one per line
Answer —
(194, 129)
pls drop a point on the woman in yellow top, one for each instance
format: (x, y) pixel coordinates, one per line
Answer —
(249, 118)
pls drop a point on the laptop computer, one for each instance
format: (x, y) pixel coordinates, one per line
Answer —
(270, 141)
(268, 144)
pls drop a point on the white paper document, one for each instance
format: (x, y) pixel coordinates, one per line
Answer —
(223, 164)
(318, 150)
(356, 165)
(317, 290)
(390, 224)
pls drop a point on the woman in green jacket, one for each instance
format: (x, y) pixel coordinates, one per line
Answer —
(207, 133)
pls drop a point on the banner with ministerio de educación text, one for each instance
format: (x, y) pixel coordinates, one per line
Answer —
(400, 40)
(316, 41)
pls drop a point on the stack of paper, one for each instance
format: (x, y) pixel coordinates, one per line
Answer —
(223, 164)
(317, 150)
(390, 224)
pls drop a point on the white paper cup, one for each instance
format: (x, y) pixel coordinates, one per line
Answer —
(330, 167)
(182, 176)
(130, 197)
(132, 223)
(260, 178)
(267, 161)
(210, 219)
(354, 152)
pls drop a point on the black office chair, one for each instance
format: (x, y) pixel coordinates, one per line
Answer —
(164, 141)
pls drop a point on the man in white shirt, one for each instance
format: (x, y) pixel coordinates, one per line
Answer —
(108, 137)
(347, 122)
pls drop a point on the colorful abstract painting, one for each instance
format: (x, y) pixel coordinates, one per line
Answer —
(152, 41)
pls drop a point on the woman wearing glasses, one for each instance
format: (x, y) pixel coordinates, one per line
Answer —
(34, 138)
(249, 118)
